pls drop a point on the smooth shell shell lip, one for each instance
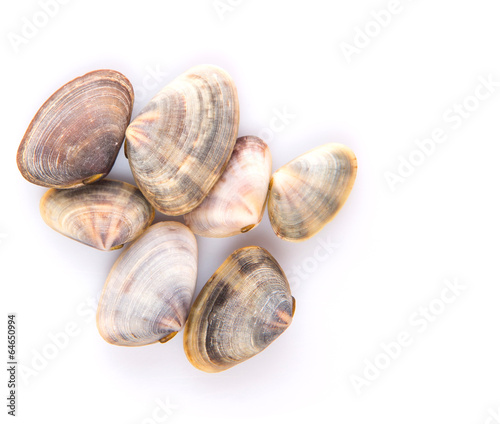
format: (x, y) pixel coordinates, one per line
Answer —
(121, 217)
(149, 290)
(272, 315)
(48, 156)
(236, 203)
(180, 143)
(285, 176)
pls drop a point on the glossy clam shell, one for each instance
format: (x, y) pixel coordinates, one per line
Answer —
(242, 309)
(104, 215)
(75, 136)
(180, 143)
(150, 288)
(306, 193)
(237, 202)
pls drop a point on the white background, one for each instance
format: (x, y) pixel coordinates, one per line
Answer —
(393, 249)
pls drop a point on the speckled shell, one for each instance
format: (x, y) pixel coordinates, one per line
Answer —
(180, 143)
(242, 309)
(104, 215)
(75, 136)
(150, 288)
(307, 193)
(237, 202)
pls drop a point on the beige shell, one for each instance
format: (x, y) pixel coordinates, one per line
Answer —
(75, 136)
(242, 309)
(150, 288)
(237, 202)
(104, 215)
(307, 192)
(180, 143)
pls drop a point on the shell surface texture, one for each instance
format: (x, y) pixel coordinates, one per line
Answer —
(150, 288)
(237, 202)
(306, 193)
(242, 309)
(75, 136)
(104, 215)
(181, 142)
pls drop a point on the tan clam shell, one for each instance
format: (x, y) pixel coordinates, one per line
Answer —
(180, 143)
(306, 193)
(242, 309)
(75, 136)
(150, 288)
(104, 215)
(237, 202)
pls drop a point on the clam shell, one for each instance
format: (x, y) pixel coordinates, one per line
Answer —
(243, 308)
(180, 143)
(150, 288)
(237, 202)
(104, 215)
(75, 136)
(307, 192)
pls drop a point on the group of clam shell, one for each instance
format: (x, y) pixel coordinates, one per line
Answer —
(186, 160)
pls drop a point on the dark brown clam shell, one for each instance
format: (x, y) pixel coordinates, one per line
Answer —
(75, 136)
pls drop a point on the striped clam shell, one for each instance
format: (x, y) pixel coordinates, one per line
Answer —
(180, 143)
(150, 288)
(307, 192)
(242, 309)
(237, 202)
(75, 136)
(104, 215)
